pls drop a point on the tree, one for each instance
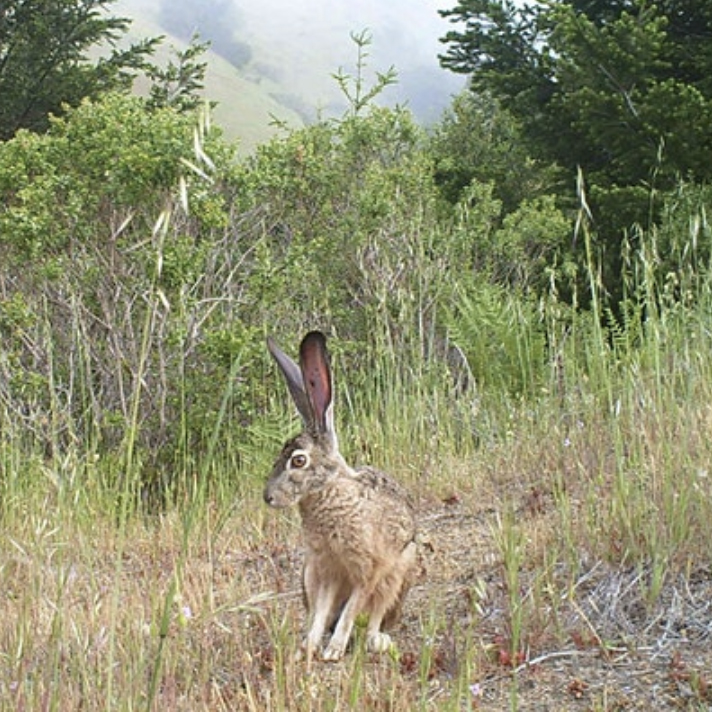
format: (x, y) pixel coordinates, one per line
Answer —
(621, 89)
(476, 139)
(178, 84)
(45, 59)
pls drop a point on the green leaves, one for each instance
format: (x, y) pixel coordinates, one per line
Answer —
(104, 156)
(500, 47)
(478, 139)
(45, 63)
(618, 89)
(597, 85)
(179, 83)
(358, 94)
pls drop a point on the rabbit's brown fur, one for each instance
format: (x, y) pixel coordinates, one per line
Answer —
(359, 525)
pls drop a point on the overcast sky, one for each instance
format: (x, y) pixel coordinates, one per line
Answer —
(307, 40)
(299, 44)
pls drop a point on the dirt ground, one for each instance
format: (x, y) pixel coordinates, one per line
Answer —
(602, 646)
(606, 648)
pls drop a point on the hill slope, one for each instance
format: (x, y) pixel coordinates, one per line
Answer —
(288, 54)
(246, 109)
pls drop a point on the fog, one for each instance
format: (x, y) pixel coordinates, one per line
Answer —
(295, 47)
(304, 42)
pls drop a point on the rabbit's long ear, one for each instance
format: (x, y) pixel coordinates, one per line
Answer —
(293, 377)
(316, 376)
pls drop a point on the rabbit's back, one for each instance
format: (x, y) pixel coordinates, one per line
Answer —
(358, 522)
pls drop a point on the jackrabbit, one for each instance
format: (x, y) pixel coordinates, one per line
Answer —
(358, 524)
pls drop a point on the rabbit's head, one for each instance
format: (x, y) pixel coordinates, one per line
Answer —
(309, 460)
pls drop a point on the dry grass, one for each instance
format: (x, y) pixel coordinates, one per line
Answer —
(93, 614)
(564, 543)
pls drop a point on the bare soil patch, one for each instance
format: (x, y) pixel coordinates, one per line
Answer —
(599, 644)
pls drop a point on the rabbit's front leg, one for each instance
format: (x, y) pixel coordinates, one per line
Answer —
(321, 600)
(339, 640)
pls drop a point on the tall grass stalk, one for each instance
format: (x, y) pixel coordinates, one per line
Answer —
(131, 468)
(194, 511)
(508, 539)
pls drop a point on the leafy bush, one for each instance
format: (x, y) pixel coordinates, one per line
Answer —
(103, 161)
(346, 204)
(119, 277)
(477, 139)
(154, 263)
(502, 338)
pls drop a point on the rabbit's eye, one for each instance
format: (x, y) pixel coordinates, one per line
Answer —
(299, 460)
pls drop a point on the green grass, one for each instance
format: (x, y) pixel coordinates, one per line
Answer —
(540, 508)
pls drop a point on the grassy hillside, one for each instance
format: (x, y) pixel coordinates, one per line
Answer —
(296, 49)
(313, 41)
(246, 106)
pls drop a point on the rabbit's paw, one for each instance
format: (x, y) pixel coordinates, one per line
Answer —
(379, 642)
(333, 652)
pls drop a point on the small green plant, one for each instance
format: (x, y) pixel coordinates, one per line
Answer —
(509, 540)
(354, 88)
